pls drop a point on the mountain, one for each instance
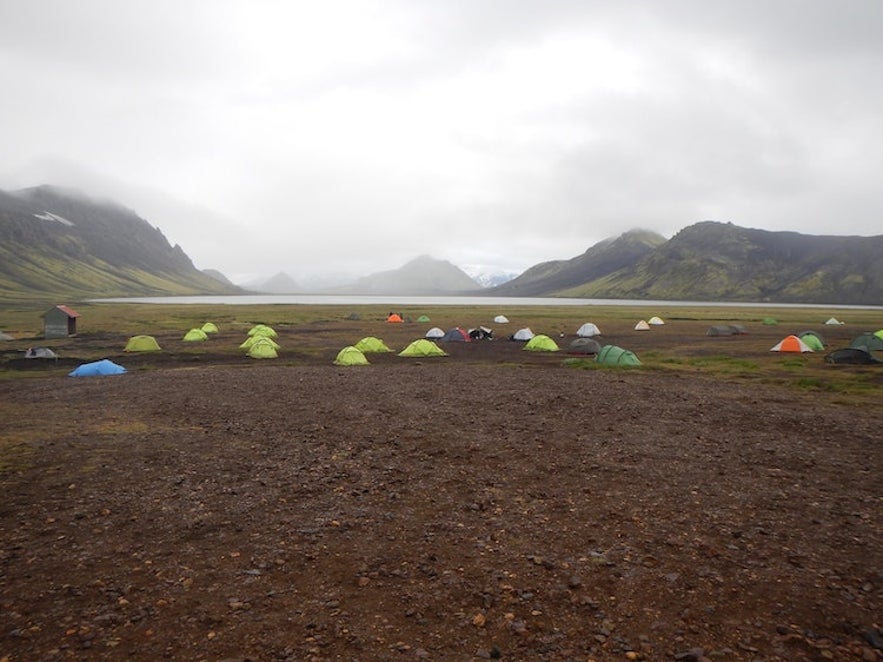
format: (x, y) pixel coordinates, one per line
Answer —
(281, 283)
(422, 276)
(602, 259)
(488, 276)
(712, 261)
(58, 242)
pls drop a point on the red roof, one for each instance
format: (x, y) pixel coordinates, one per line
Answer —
(70, 312)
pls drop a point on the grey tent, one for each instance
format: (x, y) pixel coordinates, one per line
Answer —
(584, 346)
(720, 330)
(868, 341)
(851, 356)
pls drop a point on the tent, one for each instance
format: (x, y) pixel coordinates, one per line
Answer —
(868, 341)
(584, 346)
(40, 353)
(210, 327)
(422, 347)
(791, 344)
(142, 344)
(5, 336)
(852, 356)
(814, 339)
(613, 355)
(770, 321)
(102, 367)
(263, 348)
(501, 319)
(588, 330)
(655, 321)
(523, 335)
(394, 318)
(738, 329)
(354, 317)
(455, 335)
(642, 326)
(879, 334)
(481, 333)
(262, 330)
(195, 335)
(350, 356)
(423, 318)
(720, 330)
(434, 333)
(370, 344)
(541, 343)
(251, 340)
(833, 320)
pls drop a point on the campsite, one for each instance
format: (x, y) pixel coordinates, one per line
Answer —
(716, 501)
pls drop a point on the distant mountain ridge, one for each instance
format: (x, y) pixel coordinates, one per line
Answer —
(58, 241)
(713, 261)
(423, 275)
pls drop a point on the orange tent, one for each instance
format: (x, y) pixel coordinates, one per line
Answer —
(791, 344)
(394, 317)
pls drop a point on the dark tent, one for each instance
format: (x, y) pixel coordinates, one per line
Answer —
(867, 341)
(481, 333)
(738, 329)
(851, 356)
(455, 335)
(725, 330)
(584, 346)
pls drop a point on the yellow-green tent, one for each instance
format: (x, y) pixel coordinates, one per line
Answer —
(263, 348)
(370, 344)
(422, 347)
(251, 340)
(262, 330)
(195, 335)
(210, 327)
(541, 343)
(142, 344)
(350, 356)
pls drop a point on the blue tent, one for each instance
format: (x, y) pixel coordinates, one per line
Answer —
(103, 367)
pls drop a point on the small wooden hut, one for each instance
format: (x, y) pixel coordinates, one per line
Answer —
(60, 322)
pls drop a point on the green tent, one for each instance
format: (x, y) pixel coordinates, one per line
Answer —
(370, 344)
(142, 344)
(263, 348)
(879, 334)
(195, 335)
(350, 356)
(423, 347)
(869, 341)
(613, 355)
(541, 343)
(210, 327)
(812, 341)
(423, 318)
(251, 340)
(262, 330)
(770, 321)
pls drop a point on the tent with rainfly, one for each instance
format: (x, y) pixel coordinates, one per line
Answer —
(394, 318)
(791, 344)
(350, 356)
(195, 335)
(813, 339)
(501, 319)
(97, 368)
(423, 318)
(615, 355)
(40, 353)
(142, 344)
(251, 340)
(642, 326)
(655, 321)
(523, 335)
(588, 330)
(456, 335)
(263, 348)
(584, 346)
(833, 320)
(210, 327)
(422, 347)
(541, 343)
(869, 341)
(852, 356)
(371, 345)
(434, 333)
(262, 330)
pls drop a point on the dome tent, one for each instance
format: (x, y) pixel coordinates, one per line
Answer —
(588, 330)
(371, 345)
(142, 344)
(251, 340)
(262, 330)
(456, 335)
(501, 319)
(614, 355)
(195, 335)
(642, 326)
(655, 321)
(813, 340)
(584, 346)
(423, 318)
(434, 333)
(210, 327)
(40, 353)
(422, 347)
(350, 356)
(97, 368)
(523, 335)
(791, 344)
(541, 343)
(263, 348)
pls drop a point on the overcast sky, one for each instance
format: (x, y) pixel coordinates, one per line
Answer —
(346, 136)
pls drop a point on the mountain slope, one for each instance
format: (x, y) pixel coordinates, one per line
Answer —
(603, 258)
(60, 242)
(712, 261)
(422, 276)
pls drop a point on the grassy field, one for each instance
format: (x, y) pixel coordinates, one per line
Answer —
(314, 333)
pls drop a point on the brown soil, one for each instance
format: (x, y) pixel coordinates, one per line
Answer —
(492, 504)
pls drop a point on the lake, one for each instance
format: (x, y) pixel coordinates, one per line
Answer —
(398, 301)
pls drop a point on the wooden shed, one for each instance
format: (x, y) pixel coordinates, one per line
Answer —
(60, 322)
